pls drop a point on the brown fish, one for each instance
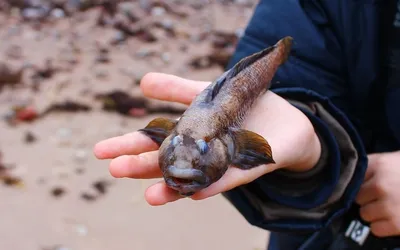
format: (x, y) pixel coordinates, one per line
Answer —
(196, 150)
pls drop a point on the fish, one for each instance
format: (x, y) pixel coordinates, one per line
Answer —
(196, 149)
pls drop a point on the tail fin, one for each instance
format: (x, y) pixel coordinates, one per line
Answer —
(285, 44)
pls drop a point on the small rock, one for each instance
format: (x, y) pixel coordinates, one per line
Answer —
(166, 57)
(57, 13)
(81, 156)
(11, 181)
(88, 197)
(60, 172)
(118, 37)
(183, 48)
(15, 12)
(81, 230)
(79, 171)
(14, 52)
(57, 191)
(13, 30)
(167, 24)
(101, 73)
(27, 114)
(63, 248)
(102, 58)
(56, 35)
(144, 4)
(242, 2)
(63, 136)
(64, 133)
(143, 52)
(29, 137)
(157, 11)
(41, 180)
(101, 186)
(196, 38)
(9, 115)
(32, 13)
(56, 247)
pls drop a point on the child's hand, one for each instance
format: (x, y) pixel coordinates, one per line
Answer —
(379, 196)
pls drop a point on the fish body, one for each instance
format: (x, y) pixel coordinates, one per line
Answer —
(196, 150)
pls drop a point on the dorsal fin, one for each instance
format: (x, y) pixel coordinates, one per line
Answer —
(242, 64)
(218, 85)
(247, 61)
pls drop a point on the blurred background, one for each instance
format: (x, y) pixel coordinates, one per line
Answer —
(69, 77)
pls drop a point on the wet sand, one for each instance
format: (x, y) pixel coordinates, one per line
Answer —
(61, 155)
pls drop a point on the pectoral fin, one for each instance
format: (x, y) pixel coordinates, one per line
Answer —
(159, 129)
(249, 149)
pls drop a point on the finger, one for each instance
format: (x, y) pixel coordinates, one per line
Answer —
(233, 177)
(368, 192)
(171, 88)
(385, 228)
(142, 166)
(160, 194)
(373, 162)
(374, 211)
(128, 144)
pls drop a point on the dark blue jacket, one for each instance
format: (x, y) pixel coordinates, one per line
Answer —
(344, 58)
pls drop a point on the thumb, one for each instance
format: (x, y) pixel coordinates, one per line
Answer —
(171, 88)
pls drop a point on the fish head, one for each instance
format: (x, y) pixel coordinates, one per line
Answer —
(189, 165)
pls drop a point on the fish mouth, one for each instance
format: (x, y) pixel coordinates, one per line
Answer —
(185, 181)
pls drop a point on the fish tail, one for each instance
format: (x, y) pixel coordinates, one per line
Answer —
(285, 45)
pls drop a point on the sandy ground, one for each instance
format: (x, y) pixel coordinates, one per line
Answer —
(31, 217)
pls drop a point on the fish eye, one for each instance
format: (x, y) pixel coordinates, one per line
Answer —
(176, 140)
(202, 145)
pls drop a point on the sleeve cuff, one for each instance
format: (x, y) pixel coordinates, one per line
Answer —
(319, 195)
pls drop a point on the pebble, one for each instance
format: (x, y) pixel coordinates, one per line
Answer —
(63, 248)
(13, 30)
(79, 171)
(143, 52)
(157, 11)
(166, 57)
(33, 13)
(57, 191)
(195, 38)
(144, 4)
(63, 136)
(81, 230)
(119, 37)
(167, 24)
(15, 12)
(101, 73)
(81, 156)
(60, 172)
(64, 133)
(56, 35)
(126, 6)
(8, 115)
(242, 2)
(57, 13)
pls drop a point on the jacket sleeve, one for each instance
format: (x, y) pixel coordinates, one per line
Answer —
(311, 80)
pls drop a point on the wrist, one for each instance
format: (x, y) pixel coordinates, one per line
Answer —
(311, 154)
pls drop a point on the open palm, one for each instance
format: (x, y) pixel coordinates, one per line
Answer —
(294, 143)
